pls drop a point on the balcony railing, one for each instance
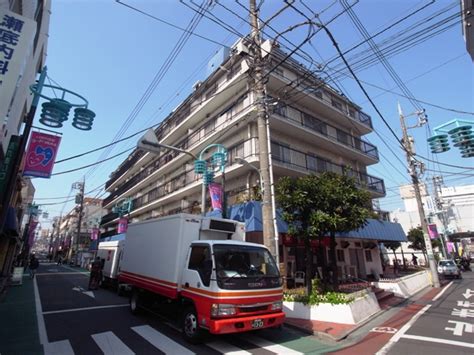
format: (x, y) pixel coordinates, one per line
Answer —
(188, 142)
(280, 153)
(312, 163)
(127, 165)
(308, 121)
(317, 89)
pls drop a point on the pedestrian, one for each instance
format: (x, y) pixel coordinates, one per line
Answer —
(96, 274)
(33, 265)
(414, 259)
(60, 260)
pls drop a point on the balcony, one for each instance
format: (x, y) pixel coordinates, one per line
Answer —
(294, 159)
(315, 93)
(122, 169)
(190, 141)
(330, 132)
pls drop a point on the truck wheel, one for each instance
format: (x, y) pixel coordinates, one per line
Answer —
(134, 302)
(191, 331)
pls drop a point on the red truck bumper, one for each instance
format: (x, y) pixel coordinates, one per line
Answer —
(244, 324)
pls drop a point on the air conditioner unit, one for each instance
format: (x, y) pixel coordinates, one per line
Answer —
(241, 48)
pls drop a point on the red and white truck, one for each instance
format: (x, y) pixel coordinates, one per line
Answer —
(221, 283)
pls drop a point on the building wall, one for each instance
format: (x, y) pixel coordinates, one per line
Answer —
(38, 10)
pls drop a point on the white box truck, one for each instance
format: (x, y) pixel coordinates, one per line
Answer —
(110, 253)
(221, 283)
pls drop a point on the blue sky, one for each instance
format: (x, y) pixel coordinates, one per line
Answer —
(110, 54)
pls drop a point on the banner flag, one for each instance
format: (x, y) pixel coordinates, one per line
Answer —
(41, 153)
(122, 225)
(433, 231)
(95, 233)
(215, 190)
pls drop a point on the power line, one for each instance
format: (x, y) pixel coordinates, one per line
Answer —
(169, 23)
(89, 165)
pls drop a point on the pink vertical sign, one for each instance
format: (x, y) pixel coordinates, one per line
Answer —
(41, 153)
(433, 231)
(215, 190)
(122, 225)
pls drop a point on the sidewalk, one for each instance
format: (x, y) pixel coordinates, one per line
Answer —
(337, 331)
(18, 324)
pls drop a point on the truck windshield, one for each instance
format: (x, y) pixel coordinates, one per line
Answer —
(245, 267)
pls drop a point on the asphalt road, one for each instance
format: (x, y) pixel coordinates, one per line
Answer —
(443, 326)
(73, 320)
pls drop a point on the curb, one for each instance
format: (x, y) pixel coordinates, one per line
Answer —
(325, 336)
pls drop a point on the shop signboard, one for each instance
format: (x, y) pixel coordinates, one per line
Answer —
(17, 34)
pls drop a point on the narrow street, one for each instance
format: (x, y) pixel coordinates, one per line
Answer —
(73, 320)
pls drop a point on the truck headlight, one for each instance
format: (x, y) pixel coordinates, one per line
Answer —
(221, 309)
(277, 306)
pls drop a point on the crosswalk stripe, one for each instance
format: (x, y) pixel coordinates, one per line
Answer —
(62, 347)
(226, 348)
(267, 345)
(110, 344)
(160, 341)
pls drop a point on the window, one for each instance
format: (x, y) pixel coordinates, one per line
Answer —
(368, 255)
(342, 137)
(200, 260)
(340, 255)
(281, 109)
(210, 126)
(281, 152)
(311, 163)
(336, 104)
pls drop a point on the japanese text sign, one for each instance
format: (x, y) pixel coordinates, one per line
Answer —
(41, 153)
(122, 225)
(17, 34)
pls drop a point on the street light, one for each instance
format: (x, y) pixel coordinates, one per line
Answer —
(242, 161)
(149, 142)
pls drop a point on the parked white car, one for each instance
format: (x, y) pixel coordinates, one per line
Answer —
(449, 268)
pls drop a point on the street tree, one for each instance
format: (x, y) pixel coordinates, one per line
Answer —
(323, 205)
(392, 245)
(415, 237)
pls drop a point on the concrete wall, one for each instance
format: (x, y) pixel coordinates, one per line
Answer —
(355, 312)
(405, 286)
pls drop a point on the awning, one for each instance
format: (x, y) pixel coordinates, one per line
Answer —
(251, 213)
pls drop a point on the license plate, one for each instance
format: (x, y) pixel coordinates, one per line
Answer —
(257, 323)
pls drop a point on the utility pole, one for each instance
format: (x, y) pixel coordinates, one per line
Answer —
(259, 90)
(79, 220)
(440, 211)
(412, 168)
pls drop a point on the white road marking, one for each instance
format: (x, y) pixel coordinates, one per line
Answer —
(226, 348)
(160, 341)
(267, 345)
(435, 298)
(62, 347)
(39, 315)
(402, 331)
(110, 344)
(86, 308)
(384, 330)
(442, 341)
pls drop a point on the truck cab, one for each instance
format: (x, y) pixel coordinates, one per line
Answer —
(233, 286)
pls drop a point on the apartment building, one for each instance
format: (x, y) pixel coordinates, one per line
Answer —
(24, 25)
(313, 128)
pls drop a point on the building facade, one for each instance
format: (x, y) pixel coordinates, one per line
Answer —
(312, 129)
(26, 34)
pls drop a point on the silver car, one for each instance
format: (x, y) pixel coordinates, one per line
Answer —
(449, 268)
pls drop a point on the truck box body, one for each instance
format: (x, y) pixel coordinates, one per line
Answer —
(189, 258)
(110, 253)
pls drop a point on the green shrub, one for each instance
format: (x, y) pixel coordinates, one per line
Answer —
(317, 296)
